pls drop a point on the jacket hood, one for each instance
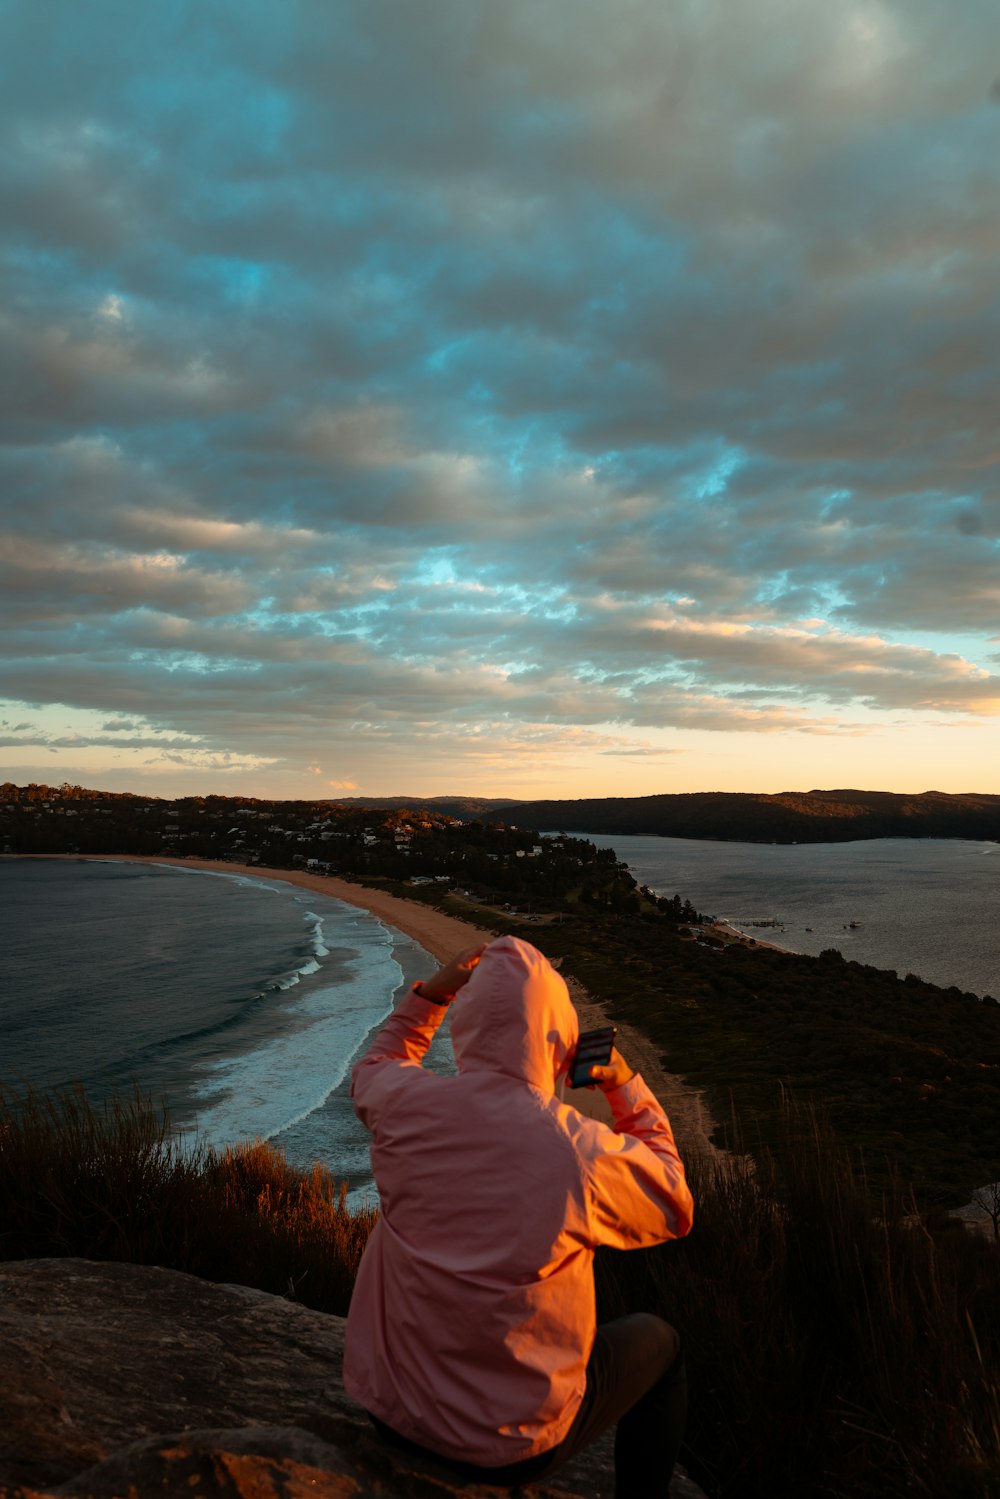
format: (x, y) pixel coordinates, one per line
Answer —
(514, 1016)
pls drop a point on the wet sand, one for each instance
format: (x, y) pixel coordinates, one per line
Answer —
(444, 936)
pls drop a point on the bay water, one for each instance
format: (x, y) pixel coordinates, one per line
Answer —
(917, 905)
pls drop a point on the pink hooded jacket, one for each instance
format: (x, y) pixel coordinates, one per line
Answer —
(473, 1314)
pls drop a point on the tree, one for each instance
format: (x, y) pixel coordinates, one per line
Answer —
(988, 1198)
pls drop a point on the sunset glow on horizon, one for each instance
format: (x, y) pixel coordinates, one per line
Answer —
(536, 400)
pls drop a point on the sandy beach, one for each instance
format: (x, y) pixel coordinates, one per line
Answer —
(722, 931)
(444, 936)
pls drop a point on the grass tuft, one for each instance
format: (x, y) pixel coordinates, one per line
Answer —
(835, 1345)
(112, 1183)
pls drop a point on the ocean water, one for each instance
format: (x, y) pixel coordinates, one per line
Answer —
(918, 905)
(241, 1001)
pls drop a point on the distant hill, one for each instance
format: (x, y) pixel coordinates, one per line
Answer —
(740, 817)
(464, 807)
(788, 817)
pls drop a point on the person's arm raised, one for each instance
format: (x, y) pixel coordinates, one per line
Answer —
(640, 1196)
(408, 1033)
(442, 987)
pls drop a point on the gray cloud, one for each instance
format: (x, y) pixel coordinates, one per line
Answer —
(524, 365)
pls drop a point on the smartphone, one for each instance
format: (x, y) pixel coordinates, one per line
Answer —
(593, 1049)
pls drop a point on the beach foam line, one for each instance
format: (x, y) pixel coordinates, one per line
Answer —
(280, 1082)
(319, 946)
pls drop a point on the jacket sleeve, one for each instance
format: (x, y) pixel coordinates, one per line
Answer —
(638, 1192)
(400, 1045)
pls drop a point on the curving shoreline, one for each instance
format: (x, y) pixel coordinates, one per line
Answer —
(443, 936)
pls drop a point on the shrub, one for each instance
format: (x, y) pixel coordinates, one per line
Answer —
(104, 1184)
(299, 1236)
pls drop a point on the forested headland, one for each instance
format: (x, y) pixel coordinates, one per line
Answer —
(788, 817)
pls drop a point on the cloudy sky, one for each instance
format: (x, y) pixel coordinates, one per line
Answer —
(523, 397)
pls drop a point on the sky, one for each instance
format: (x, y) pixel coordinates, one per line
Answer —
(503, 397)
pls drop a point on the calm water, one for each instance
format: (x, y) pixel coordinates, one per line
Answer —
(924, 906)
(242, 1001)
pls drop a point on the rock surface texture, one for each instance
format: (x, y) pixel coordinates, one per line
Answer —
(131, 1381)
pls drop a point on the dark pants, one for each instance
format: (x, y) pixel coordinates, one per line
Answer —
(635, 1378)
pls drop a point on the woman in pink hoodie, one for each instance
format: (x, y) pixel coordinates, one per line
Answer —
(472, 1331)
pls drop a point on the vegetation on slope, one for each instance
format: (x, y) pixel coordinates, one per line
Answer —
(835, 1346)
(113, 1183)
(906, 1070)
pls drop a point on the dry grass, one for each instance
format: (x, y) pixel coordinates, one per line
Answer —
(112, 1183)
(302, 1239)
(836, 1344)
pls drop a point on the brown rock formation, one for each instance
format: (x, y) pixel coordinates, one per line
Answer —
(129, 1381)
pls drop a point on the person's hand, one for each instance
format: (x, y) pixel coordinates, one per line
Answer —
(613, 1075)
(445, 984)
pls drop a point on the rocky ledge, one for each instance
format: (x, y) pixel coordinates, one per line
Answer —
(130, 1381)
